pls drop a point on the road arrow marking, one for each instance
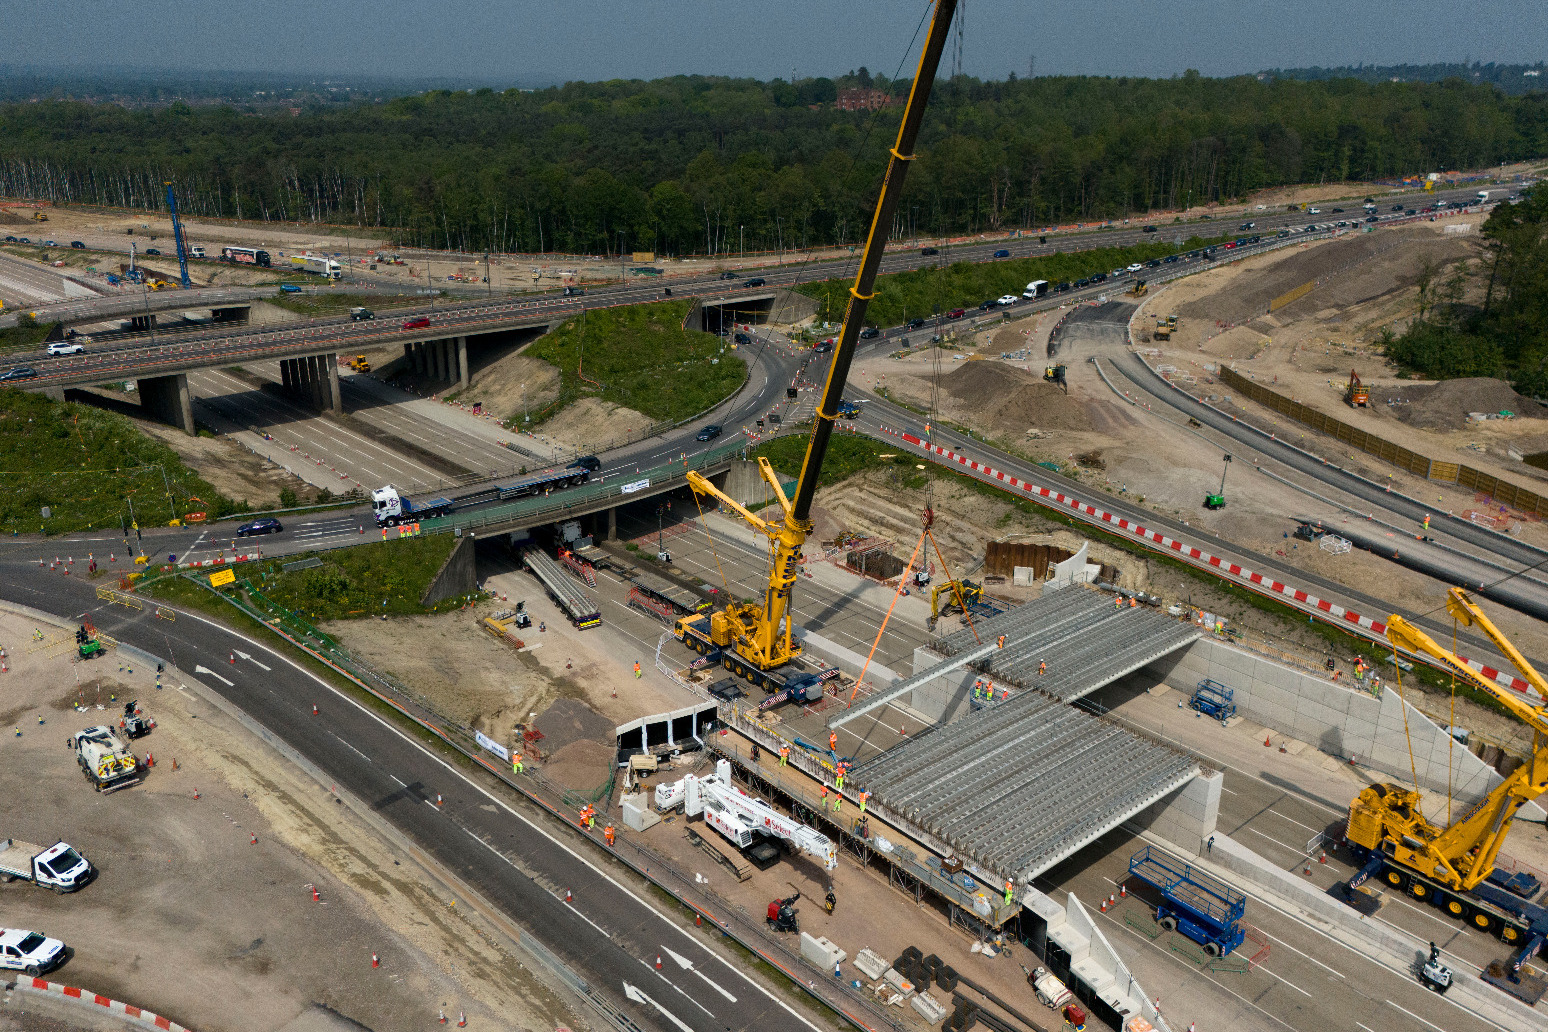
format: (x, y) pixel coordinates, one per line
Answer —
(687, 965)
(210, 673)
(638, 997)
(254, 662)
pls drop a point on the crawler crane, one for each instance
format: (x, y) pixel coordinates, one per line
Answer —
(753, 639)
(1450, 867)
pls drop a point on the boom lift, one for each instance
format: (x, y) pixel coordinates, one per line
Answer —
(177, 236)
(1450, 867)
(1355, 393)
(754, 638)
(737, 815)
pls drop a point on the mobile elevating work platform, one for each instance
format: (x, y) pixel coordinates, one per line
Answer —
(1200, 906)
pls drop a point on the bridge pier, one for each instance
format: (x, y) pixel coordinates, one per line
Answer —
(462, 362)
(166, 397)
(314, 379)
(141, 323)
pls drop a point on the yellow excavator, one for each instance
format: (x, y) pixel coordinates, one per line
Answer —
(753, 639)
(1452, 868)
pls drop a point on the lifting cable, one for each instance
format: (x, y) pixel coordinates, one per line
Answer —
(883, 628)
(1451, 741)
(711, 539)
(1419, 804)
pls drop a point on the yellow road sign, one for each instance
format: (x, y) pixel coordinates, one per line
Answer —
(221, 578)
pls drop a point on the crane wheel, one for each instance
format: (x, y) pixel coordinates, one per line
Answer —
(1418, 890)
(1510, 933)
(1482, 920)
(1396, 879)
(1453, 906)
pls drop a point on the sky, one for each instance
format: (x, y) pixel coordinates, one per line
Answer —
(520, 40)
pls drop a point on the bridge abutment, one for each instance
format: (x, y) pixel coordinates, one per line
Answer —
(313, 379)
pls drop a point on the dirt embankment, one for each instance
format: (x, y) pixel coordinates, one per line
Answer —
(1445, 405)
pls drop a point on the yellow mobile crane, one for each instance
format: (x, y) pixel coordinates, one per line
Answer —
(1450, 867)
(753, 638)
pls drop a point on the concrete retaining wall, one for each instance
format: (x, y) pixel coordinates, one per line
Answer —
(457, 576)
(1337, 720)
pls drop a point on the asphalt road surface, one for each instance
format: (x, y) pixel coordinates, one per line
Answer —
(501, 846)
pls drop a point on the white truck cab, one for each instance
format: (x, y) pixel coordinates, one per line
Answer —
(29, 952)
(386, 504)
(59, 867)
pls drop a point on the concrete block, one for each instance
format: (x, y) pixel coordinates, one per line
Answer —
(1071, 941)
(929, 1008)
(821, 951)
(870, 964)
(638, 814)
(898, 982)
(1044, 907)
(1094, 975)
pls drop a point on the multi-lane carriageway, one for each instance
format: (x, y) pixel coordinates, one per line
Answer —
(130, 359)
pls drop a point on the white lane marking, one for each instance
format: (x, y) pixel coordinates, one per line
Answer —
(1292, 820)
(687, 965)
(1271, 838)
(1432, 917)
(210, 673)
(638, 997)
(571, 906)
(254, 662)
(1308, 956)
(674, 987)
(1285, 980)
(1365, 1026)
(502, 804)
(1416, 1017)
(352, 749)
(398, 780)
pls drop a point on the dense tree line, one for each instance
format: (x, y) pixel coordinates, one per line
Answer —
(696, 165)
(1505, 331)
(1509, 78)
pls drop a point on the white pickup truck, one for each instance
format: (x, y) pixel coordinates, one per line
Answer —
(29, 952)
(59, 867)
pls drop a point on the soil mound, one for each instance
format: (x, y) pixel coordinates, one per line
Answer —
(1004, 395)
(1445, 405)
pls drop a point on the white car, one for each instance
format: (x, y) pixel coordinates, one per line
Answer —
(29, 952)
(1008, 299)
(1136, 267)
(61, 347)
(1314, 211)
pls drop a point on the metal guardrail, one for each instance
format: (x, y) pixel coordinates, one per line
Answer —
(568, 500)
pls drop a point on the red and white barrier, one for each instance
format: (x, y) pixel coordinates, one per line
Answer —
(43, 985)
(1194, 555)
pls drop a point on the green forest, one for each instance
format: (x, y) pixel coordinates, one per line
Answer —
(1503, 332)
(695, 165)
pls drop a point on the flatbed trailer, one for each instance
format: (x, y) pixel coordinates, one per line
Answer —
(579, 607)
(683, 600)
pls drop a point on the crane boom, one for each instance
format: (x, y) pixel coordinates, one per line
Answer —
(759, 633)
(1387, 819)
(177, 237)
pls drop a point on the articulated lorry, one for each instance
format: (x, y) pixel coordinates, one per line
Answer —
(59, 867)
(317, 265)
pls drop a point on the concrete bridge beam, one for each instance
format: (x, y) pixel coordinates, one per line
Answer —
(166, 397)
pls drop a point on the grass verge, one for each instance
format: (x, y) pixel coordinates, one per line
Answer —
(922, 292)
(89, 467)
(640, 357)
(340, 304)
(26, 335)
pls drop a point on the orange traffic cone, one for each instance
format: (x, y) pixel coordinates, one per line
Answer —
(1104, 906)
(150, 759)
(196, 793)
(314, 709)
(1123, 891)
(254, 841)
(698, 920)
(316, 896)
(462, 1020)
(1266, 742)
(441, 1016)
(376, 963)
(568, 898)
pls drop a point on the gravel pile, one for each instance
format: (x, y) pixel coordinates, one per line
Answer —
(1445, 405)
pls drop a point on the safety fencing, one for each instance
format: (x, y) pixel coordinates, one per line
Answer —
(1411, 461)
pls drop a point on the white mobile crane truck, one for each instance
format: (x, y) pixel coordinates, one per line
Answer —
(737, 815)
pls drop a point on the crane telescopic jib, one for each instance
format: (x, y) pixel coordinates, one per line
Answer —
(758, 634)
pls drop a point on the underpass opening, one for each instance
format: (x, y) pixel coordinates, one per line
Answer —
(723, 317)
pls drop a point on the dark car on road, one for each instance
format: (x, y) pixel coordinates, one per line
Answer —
(756, 281)
(743, 338)
(417, 323)
(709, 433)
(1397, 207)
(358, 314)
(929, 250)
(728, 275)
(590, 463)
(574, 291)
(1149, 229)
(153, 250)
(869, 333)
(78, 245)
(984, 306)
(19, 373)
(1002, 253)
(913, 324)
(266, 525)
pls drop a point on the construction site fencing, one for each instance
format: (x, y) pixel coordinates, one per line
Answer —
(730, 919)
(1406, 459)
